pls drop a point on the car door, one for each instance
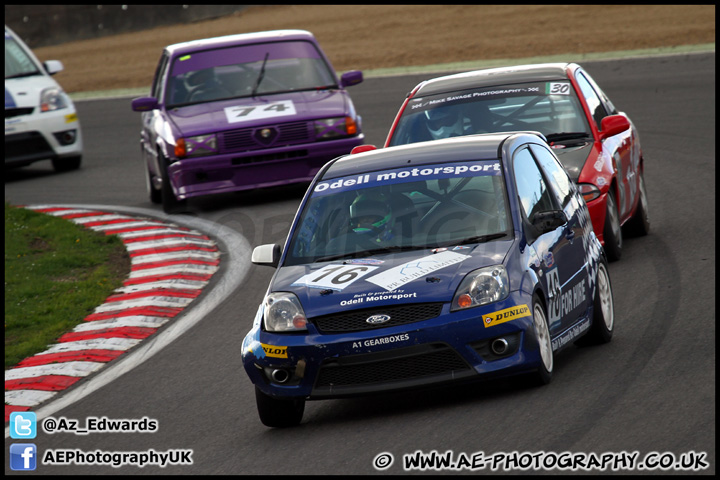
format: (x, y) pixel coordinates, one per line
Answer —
(150, 119)
(542, 186)
(619, 147)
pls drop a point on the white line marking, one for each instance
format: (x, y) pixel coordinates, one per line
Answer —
(70, 369)
(27, 398)
(159, 301)
(93, 344)
(131, 321)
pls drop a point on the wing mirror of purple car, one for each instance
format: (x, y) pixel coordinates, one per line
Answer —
(144, 104)
(612, 125)
(353, 77)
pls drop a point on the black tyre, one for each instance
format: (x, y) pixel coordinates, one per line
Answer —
(603, 322)
(639, 224)
(66, 164)
(154, 194)
(279, 413)
(612, 231)
(169, 202)
(544, 374)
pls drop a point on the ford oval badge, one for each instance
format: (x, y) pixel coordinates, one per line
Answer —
(378, 319)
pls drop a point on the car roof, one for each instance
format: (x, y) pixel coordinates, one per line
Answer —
(469, 147)
(494, 76)
(238, 39)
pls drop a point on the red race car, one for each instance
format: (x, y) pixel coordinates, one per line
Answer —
(598, 145)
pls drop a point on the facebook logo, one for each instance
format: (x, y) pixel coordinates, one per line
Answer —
(23, 425)
(23, 456)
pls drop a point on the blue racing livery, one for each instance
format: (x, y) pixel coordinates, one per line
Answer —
(436, 262)
(403, 175)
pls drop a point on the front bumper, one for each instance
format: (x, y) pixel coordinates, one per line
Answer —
(42, 136)
(449, 348)
(270, 167)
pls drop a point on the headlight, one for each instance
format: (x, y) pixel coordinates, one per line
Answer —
(52, 99)
(335, 127)
(198, 146)
(589, 191)
(283, 313)
(482, 286)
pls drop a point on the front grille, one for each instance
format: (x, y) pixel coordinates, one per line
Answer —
(269, 157)
(354, 321)
(400, 365)
(27, 146)
(248, 139)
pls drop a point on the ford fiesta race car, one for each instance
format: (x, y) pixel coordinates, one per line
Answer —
(41, 122)
(598, 145)
(452, 260)
(241, 112)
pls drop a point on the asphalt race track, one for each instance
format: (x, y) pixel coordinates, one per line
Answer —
(651, 390)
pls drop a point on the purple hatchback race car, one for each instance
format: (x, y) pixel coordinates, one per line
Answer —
(241, 112)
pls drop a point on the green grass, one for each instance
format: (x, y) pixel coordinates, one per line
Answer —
(56, 274)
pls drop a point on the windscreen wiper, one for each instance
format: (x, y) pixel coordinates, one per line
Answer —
(475, 239)
(260, 75)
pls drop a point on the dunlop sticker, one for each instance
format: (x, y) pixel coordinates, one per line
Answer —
(275, 351)
(502, 316)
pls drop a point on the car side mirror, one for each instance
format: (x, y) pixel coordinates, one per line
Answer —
(53, 66)
(353, 77)
(266, 255)
(144, 104)
(548, 221)
(612, 125)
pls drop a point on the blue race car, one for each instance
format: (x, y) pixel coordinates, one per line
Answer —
(452, 260)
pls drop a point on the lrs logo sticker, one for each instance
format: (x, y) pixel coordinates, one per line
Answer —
(270, 110)
(398, 276)
(502, 316)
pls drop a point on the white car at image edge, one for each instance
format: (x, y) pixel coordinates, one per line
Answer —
(41, 122)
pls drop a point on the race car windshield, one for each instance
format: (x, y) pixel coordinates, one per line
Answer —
(546, 107)
(245, 71)
(401, 209)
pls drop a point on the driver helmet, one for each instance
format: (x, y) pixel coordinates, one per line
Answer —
(444, 122)
(371, 216)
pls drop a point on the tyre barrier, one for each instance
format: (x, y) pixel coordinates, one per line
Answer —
(170, 266)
